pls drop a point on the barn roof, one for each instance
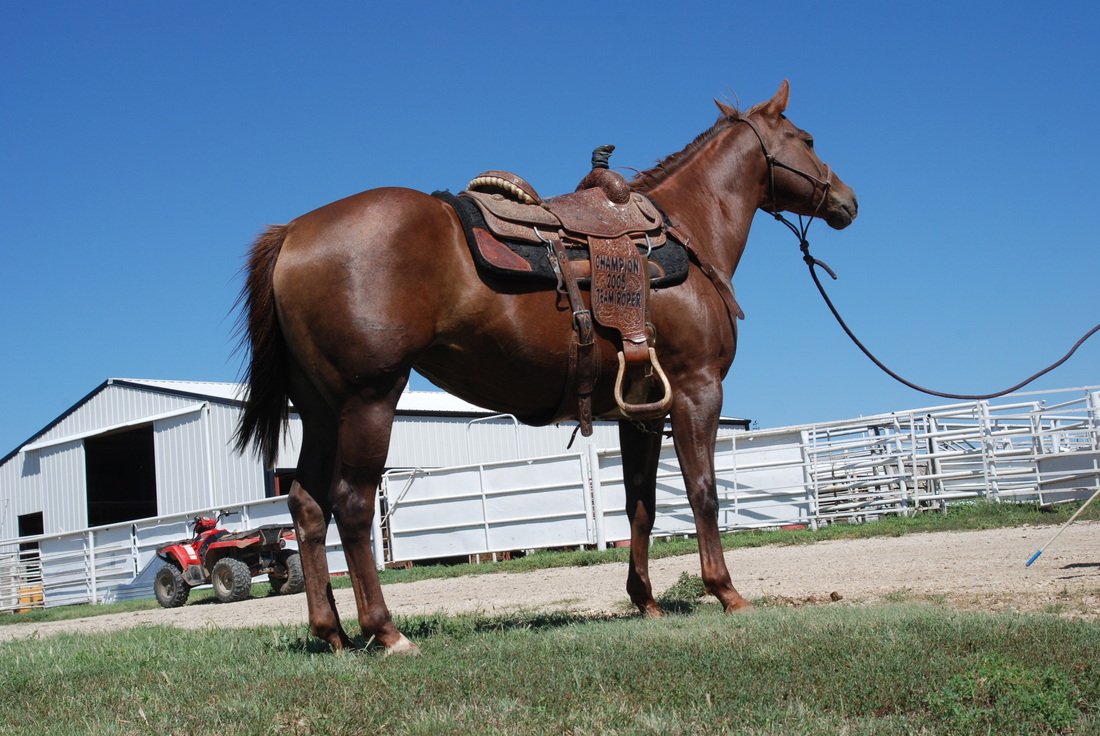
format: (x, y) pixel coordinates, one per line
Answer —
(427, 403)
(411, 402)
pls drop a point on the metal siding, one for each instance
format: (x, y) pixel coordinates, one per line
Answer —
(237, 478)
(290, 443)
(433, 442)
(181, 461)
(15, 497)
(62, 487)
(427, 442)
(114, 405)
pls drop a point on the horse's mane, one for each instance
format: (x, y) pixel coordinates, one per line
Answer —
(646, 180)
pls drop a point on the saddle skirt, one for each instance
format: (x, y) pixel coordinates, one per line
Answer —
(514, 252)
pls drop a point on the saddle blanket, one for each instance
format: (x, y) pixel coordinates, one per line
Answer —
(515, 260)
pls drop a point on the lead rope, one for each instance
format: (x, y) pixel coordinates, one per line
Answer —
(811, 262)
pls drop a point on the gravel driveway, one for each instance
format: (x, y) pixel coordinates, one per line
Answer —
(981, 570)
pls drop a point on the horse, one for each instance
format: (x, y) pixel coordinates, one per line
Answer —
(342, 303)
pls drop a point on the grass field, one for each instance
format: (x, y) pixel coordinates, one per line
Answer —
(814, 670)
(887, 669)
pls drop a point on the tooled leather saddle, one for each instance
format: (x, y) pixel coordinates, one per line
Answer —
(602, 235)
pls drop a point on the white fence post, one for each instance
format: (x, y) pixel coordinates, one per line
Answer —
(376, 541)
(92, 576)
(597, 496)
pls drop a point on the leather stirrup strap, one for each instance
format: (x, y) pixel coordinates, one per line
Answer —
(582, 349)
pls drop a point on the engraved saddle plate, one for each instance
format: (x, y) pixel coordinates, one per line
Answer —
(619, 287)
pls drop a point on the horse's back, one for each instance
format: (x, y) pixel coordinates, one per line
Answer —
(389, 235)
(363, 282)
(371, 219)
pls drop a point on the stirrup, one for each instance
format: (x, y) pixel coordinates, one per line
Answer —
(652, 410)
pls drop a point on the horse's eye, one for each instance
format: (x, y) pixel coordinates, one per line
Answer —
(810, 143)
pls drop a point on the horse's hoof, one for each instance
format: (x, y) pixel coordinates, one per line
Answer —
(403, 646)
(340, 645)
(742, 607)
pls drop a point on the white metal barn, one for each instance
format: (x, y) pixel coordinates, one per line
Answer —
(85, 502)
(135, 449)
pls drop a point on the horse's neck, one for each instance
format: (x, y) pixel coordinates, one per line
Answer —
(714, 195)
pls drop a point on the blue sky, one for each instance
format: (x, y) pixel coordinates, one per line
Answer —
(144, 145)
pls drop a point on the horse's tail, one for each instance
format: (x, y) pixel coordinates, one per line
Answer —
(267, 372)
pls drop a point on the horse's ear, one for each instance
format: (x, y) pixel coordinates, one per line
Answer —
(726, 110)
(777, 105)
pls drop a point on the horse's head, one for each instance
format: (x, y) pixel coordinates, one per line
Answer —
(798, 181)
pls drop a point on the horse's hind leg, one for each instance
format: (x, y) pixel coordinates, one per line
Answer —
(364, 439)
(641, 450)
(309, 507)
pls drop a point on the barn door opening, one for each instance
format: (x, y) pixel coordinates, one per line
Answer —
(122, 477)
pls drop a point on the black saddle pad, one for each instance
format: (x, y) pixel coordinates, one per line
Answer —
(671, 257)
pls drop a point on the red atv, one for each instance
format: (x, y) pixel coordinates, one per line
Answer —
(227, 560)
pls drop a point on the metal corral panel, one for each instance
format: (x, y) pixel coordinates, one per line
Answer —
(488, 508)
(761, 483)
(1064, 473)
(762, 480)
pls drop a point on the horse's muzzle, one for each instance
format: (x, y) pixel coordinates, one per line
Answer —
(843, 206)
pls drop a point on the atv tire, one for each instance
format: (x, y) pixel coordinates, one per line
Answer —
(169, 586)
(294, 581)
(232, 580)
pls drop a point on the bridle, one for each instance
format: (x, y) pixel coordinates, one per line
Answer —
(773, 163)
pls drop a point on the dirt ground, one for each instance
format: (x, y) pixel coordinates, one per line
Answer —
(978, 571)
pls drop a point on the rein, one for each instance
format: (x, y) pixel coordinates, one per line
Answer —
(800, 232)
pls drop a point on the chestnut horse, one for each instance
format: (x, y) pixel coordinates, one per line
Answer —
(343, 302)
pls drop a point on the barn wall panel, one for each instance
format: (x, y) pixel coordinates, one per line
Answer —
(181, 461)
(62, 486)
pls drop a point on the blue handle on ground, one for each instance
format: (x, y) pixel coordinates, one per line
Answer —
(1033, 558)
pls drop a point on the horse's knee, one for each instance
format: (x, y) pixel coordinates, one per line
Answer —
(705, 505)
(352, 502)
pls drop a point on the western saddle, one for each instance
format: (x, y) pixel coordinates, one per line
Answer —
(619, 228)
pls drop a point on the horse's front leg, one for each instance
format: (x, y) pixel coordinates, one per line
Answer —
(694, 428)
(641, 449)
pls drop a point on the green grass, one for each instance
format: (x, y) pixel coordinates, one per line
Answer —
(960, 517)
(893, 669)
